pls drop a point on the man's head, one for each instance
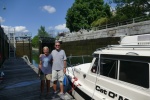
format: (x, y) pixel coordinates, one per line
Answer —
(46, 50)
(57, 45)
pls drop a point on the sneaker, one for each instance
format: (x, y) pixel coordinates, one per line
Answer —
(62, 96)
(54, 95)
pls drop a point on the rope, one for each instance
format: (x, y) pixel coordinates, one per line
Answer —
(73, 84)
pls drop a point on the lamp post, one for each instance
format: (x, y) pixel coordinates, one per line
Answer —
(12, 45)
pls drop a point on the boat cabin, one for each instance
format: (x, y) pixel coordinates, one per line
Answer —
(127, 62)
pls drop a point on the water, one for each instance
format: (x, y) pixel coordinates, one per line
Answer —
(35, 58)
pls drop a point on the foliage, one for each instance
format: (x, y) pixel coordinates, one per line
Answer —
(41, 33)
(131, 8)
(35, 41)
(100, 21)
(84, 12)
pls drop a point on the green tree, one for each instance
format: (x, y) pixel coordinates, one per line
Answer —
(35, 41)
(84, 12)
(41, 33)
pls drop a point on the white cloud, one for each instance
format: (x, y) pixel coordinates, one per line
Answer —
(57, 29)
(61, 27)
(16, 29)
(1, 20)
(21, 29)
(49, 9)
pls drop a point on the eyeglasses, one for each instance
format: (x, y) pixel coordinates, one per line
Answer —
(57, 45)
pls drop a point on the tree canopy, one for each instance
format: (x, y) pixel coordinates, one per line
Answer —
(84, 12)
(132, 8)
(41, 33)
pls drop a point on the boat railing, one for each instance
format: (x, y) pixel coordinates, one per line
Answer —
(76, 60)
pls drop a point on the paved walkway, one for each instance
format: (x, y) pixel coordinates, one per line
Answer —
(21, 82)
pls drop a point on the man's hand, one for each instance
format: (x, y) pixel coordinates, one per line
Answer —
(40, 66)
(64, 70)
(40, 55)
(65, 66)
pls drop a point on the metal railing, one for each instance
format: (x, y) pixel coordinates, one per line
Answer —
(76, 60)
(26, 59)
(121, 23)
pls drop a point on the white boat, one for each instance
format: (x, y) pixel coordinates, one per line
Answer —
(117, 72)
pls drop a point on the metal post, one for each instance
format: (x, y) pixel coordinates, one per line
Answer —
(4, 48)
(133, 20)
(82, 59)
(14, 44)
(23, 46)
(1, 49)
(30, 49)
(69, 58)
(9, 42)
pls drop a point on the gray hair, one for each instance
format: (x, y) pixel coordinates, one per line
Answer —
(45, 47)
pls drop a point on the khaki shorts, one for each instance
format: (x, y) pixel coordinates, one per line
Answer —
(57, 75)
(45, 76)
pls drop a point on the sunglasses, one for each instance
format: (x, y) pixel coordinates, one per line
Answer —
(57, 45)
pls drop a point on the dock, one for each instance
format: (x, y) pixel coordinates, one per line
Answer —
(21, 82)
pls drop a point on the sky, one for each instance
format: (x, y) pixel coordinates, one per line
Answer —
(26, 16)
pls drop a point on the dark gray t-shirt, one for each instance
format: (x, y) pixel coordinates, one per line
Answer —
(58, 59)
(46, 64)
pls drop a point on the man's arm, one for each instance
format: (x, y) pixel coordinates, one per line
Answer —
(40, 66)
(65, 65)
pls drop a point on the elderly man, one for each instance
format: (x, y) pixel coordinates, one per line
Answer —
(58, 68)
(45, 69)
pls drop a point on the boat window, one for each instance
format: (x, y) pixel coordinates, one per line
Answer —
(134, 72)
(95, 55)
(95, 66)
(126, 58)
(109, 68)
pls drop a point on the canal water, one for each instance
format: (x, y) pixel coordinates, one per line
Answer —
(35, 57)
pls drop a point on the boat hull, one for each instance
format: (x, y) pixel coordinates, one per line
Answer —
(77, 93)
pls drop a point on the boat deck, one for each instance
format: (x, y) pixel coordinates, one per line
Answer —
(21, 82)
